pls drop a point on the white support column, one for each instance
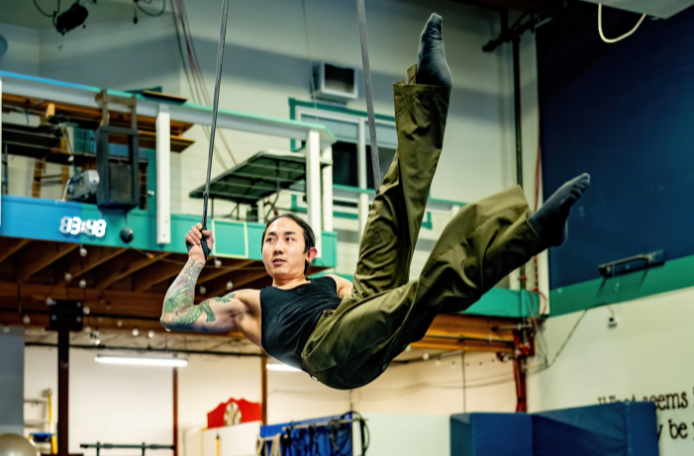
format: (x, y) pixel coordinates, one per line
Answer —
(363, 204)
(327, 172)
(163, 125)
(313, 190)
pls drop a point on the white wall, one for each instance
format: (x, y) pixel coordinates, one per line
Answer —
(646, 357)
(132, 404)
(22, 54)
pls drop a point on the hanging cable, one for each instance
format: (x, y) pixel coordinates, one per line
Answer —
(191, 67)
(163, 8)
(45, 13)
(198, 86)
(615, 40)
(308, 53)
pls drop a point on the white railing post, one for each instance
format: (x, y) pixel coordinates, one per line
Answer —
(163, 125)
(327, 171)
(313, 190)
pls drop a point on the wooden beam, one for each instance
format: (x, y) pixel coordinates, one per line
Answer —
(211, 273)
(40, 255)
(155, 274)
(160, 272)
(476, 326)
(95, 257)
(218, 287)
(463, 345)
(105, 275)
(10, 246)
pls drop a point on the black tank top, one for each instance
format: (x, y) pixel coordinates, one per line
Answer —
(289, 316)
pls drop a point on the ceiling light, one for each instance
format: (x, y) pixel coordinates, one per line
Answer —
(282, 368)
(83, 283)
(230, 285)
(83, 252)
(217, 263)
(136, 331)
(203, 290)
(142, 361)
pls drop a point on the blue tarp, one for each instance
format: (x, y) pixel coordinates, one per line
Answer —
(325, 440)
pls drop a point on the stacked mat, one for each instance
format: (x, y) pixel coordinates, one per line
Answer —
(607, 430)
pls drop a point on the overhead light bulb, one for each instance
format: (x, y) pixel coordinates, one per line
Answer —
(230, 285)
(217, 263)
(150, 334)
(203, 290)
(136, 331)
(50, 301)
(68, 277)
(88, 329)
(26, 319)
(86, 310)
(83, 283)
(119, 323)
(6, 329)
(425, 356)
(83, 252)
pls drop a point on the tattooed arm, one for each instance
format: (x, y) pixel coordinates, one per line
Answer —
(237, 311)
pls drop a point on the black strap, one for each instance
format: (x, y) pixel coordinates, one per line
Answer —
(361, 13)
(215, 108)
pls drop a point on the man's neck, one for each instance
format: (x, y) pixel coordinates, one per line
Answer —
(289, 283)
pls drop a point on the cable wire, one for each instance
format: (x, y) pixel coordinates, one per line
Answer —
(43, 12)
(163, 8)
(615, 40)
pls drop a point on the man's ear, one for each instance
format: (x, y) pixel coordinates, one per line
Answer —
(311, 254)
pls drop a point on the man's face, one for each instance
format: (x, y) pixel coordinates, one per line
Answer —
(284, 248)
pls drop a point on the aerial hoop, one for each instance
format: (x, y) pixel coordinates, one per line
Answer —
(215, 108)
(361, 13)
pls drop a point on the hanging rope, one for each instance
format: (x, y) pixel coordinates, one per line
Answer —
(615, 40)
(375, 164)
(215, 108)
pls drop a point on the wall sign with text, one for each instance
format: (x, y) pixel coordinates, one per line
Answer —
(76, 226)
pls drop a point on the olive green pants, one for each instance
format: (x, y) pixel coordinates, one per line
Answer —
(482, 244)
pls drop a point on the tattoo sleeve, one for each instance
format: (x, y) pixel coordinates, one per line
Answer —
(179, 300)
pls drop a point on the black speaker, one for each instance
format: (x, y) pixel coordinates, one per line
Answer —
(119, 177)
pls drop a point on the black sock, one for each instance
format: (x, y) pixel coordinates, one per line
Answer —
(550, 221)
(432, 68)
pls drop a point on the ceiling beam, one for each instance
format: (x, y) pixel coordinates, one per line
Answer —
(95, 257)
(39, 256)
(218, 287)
(10, 246)
(464, 345)
(208, 274)
(155, 274)
(107, 274)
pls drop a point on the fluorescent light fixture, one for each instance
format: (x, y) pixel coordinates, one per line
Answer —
(282, 368)
(142, 361)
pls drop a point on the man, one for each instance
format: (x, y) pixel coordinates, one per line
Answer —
(343, 334)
